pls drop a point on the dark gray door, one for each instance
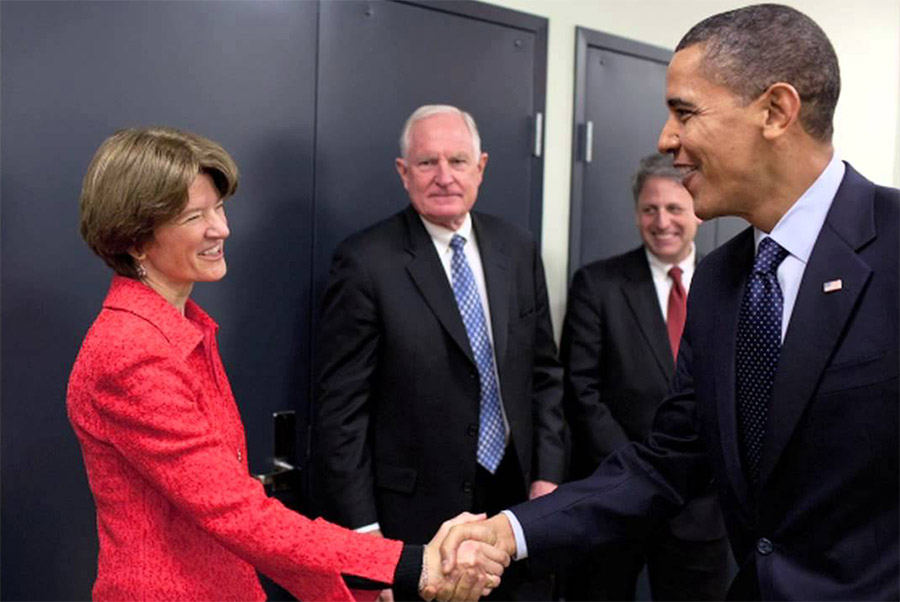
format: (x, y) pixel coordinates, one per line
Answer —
(620, 109)
(240, 72)
(378, 61)
(244, 73)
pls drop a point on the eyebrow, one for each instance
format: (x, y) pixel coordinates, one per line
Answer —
(679, 102)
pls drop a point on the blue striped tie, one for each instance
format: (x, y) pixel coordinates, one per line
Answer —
(491, 431)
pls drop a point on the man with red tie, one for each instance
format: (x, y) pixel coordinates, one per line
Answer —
(621, 333)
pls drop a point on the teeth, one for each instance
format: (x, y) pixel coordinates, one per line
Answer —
(213, 251)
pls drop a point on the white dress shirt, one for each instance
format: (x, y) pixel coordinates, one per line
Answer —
(797, 231)
(663, 283)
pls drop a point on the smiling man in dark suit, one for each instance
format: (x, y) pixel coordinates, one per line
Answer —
(623, 324)
(438, 386)
(786, 385)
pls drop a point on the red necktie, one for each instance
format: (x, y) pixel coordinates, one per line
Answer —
(677, 310)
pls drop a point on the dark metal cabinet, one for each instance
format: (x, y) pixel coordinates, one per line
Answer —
(309, 97)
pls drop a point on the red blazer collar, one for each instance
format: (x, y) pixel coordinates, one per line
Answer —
(183, 332)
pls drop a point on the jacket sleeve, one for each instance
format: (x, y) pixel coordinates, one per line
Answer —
(346, 359)
(636, 487)
(596, 432)
(147, 408)
(549, 455)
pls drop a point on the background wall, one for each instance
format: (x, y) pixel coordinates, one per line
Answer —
(865, 34)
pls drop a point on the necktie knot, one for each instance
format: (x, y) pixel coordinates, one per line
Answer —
(769, 256)
(457, 243)
(675, 274)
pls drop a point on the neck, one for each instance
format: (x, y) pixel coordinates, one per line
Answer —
(450, 223)
(176, 295)
(790, 176)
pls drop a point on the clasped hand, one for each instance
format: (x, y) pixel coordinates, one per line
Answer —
(476, 567)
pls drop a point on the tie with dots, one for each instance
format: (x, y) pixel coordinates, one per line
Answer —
(491, 431)
(758, 347)
(676, 311)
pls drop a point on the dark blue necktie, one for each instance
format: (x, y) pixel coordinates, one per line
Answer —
(491, 431)
(758, 347)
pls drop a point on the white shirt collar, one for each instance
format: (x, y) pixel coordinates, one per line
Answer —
(798, 229)
(661, 267)
(442, 236)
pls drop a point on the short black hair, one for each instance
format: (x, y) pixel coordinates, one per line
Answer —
(749, 49)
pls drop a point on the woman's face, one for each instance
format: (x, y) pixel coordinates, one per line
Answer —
(190, 248)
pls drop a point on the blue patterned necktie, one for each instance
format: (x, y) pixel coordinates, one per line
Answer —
(758, 347)
(491, 431)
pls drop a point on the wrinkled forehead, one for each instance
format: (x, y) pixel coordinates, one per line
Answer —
(444, 133)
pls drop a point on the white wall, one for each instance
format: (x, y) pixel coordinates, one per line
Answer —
(865, 34)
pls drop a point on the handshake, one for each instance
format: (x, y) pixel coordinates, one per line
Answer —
(465, 559)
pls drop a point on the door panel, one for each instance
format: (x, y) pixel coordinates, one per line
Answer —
(620, 91)
(381, 60)
(74, 72)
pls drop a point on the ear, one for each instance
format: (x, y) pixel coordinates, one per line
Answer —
(781, 104)
(402, 171)
(482, 163)
(137, 254)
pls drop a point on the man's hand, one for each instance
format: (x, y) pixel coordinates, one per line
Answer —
(539, 488)
(477, 569)
(495, 532)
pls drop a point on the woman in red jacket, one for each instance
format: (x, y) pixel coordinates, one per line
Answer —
(178, 514)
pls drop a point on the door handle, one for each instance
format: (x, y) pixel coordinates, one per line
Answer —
(588, 141)
(285, 475)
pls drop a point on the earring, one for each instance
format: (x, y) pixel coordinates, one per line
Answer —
(141, 271)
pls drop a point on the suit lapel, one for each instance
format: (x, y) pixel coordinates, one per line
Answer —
(428, 273)
(818, 318)
(496, 264)
(640, 294)
(727, 309)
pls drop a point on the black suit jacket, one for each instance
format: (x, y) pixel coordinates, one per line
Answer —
(397, 405)
(618, 364)
(823, 523)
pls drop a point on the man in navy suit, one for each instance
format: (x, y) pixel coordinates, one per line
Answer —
(424, 410)
(786, 385)
(623, 324)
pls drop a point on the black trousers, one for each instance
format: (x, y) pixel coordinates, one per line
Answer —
(496, 492)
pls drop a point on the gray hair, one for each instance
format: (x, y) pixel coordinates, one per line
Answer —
(654, 166)
(749, 49)
(430, 110)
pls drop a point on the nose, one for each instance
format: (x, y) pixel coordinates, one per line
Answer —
(218, 226)
(668, 138)
(444, 176)
(663, 219)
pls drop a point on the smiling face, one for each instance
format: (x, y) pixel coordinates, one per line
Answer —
(441, 172)
(190, 248)
(713, 137)
(666, 220)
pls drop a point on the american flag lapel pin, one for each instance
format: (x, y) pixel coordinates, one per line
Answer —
(832, 286)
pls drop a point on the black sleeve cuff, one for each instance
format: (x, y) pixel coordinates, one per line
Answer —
(408, 572)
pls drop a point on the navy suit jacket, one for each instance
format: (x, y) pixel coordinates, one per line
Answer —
(618, 365)
(823, 522)
(397, 404)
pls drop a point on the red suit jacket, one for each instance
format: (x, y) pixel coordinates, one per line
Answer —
(178, 515)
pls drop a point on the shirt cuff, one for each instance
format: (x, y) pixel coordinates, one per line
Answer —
(368, 528)
(408, 572)
(521, 546)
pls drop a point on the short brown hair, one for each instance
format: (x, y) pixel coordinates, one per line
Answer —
(654, 166)
(137, 181)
